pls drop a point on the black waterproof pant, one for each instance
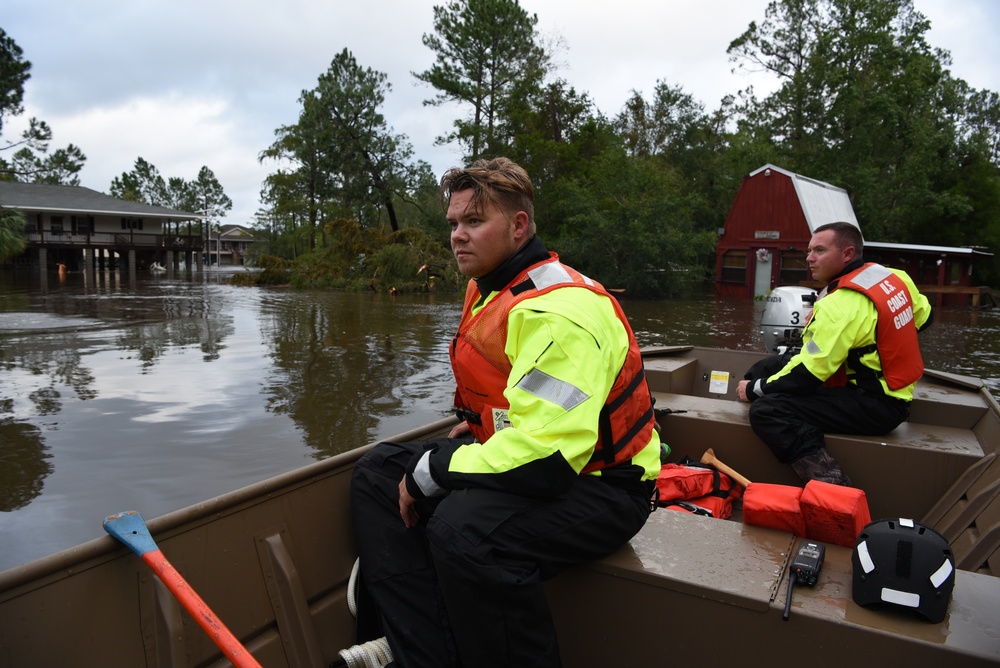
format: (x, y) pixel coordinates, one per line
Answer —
(793, 425)
(464, 588)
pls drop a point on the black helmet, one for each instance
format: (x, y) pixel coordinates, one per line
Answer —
(903, 563)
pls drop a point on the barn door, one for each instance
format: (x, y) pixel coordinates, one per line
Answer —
(762, 271)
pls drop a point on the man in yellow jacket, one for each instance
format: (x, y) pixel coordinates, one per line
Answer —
(858, 365)
(553, 465)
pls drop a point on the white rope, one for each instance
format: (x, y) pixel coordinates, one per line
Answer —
(372, 654)
(352, 584)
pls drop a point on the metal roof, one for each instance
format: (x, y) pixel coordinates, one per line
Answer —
(824, 203)
(920, 248)
(77, 199)
(821, 202)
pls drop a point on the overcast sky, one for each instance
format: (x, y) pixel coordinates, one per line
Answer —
(187, 83)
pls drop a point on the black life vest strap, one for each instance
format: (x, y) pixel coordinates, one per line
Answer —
(609, 447)
(716, 478)
(866, 377)
(523, 286)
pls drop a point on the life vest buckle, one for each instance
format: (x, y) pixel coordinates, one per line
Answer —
(469, 416)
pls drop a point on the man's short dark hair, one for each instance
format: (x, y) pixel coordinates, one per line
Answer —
(845, 235)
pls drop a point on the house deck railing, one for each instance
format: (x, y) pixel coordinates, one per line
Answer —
(117, 240)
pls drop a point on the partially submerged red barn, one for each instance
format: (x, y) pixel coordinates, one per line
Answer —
(763, 244)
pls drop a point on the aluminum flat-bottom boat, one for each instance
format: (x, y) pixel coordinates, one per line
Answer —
(274, 559)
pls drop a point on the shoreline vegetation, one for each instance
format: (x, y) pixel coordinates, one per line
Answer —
(399, 262)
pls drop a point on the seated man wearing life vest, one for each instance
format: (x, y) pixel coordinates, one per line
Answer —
(553, 465)
(858, 365)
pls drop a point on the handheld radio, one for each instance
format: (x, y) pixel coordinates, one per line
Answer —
(804, 569)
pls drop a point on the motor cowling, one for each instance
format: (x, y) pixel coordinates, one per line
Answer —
(786, 312)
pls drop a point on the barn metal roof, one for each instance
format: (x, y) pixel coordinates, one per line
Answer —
(821, 202)
(920, 248)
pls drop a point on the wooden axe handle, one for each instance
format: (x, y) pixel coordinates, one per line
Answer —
(710, 459)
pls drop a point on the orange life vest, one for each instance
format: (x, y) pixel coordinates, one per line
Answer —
(896, 333)
(482, 369)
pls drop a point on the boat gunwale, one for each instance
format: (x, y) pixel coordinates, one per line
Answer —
(102, 549)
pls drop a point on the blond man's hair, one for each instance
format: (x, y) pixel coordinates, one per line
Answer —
(500, 181)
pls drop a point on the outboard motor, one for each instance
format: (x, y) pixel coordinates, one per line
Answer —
(785, 315)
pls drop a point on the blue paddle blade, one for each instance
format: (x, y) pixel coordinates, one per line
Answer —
(130, 529)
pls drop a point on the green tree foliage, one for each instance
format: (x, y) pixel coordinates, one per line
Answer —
(980, 125)
(365, 259)
(421, 208)
(61, 167)
(302, 193)
(204, 194)
(143, 184)
(342, 162)
(12, 240)
(343, 159)
(489, 61)
(785, 47)
(560, 131)
(30, 161)
(404, 261)
(26, 163)
(673, 130)
(865, 103)
(208, 194)
(667, 126)
(631, 227)
(370, 163)
(13, 75)
(278, 220)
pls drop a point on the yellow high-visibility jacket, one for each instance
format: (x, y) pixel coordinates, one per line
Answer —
(572, 338)
(842, 331)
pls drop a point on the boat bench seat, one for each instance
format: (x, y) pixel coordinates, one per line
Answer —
(682, 568)
(939, 399)
(902, 473)
(936, 401)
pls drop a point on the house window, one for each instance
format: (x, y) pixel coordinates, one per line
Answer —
(56, 225)
(131, 223)
(734, 266)
(34, 224)
(82, 224)
(793, 268)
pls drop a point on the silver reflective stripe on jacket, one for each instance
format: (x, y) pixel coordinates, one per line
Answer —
(559, 392)
(552, 273)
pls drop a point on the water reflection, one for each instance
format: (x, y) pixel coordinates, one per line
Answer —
(732, 324)
(24, 464)
(160, 393)
(154, 393)
(347, 366)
